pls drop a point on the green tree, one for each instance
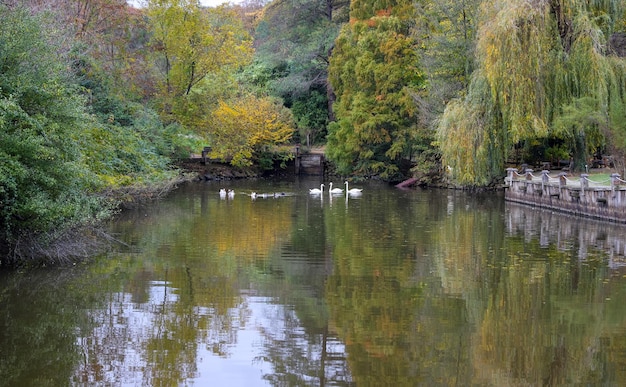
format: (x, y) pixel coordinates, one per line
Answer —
(375, 73)
(44, 181)
(193, 43)
(447, 30)
(294, 40)
(111, 31)
(125, 143)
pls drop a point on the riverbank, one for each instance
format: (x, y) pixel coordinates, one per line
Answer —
(76, 242)
(216, 171)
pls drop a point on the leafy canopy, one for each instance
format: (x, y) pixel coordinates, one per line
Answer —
(192, 44)
(44, 180)
(293, 41)
(537, 63)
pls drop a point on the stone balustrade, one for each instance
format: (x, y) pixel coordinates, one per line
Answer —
(580, 196)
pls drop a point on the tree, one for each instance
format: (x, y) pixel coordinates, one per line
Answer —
(110, 31)
(447, 30)
(294, 41)
(536, 61)
(248, 128)
(311, 115)
(374, 71)
(45, 184)
(193, 43)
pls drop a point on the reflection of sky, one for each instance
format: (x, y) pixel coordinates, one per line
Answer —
(243, 367)
(116, 353)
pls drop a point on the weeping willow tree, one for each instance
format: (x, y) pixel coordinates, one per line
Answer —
(543, 73)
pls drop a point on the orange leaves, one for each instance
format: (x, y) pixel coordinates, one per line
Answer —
(373, 21)
(384, 12)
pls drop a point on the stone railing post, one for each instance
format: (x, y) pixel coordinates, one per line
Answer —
(510, 176)
(614, 181)
(206, 151)
(562, 180)
(545, 179)
(584, 182)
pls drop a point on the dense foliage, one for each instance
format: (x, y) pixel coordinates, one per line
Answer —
(248, 128)
(374, 71)
(45, 181)
(293, 42)
(545, 77)
(65, 137)
(189, 45)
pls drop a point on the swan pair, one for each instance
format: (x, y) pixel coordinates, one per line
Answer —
(230, 193)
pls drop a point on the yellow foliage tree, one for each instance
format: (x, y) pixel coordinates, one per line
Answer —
(193, 44)
(247, 127)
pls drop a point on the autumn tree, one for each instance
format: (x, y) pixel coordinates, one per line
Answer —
(248, 128)
(375, 72)
(109, 31)
(67, 133)
(193, 44)
(540, 66)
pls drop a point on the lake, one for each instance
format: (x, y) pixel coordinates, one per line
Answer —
(388, 288)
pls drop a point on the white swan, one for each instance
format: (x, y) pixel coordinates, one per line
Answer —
(353, 191)
(334, 190)
(317, 191)
(253, 195)
(231, 193)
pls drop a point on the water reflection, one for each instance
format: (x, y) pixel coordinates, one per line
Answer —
(567, 232)
(392, 287)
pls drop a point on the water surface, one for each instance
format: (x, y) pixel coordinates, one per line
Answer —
(393, 287)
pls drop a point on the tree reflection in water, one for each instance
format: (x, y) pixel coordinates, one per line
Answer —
(395, 288)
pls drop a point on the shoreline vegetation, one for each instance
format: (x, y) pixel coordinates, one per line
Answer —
(74, 244)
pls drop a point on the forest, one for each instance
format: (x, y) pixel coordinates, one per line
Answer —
(98, 99)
